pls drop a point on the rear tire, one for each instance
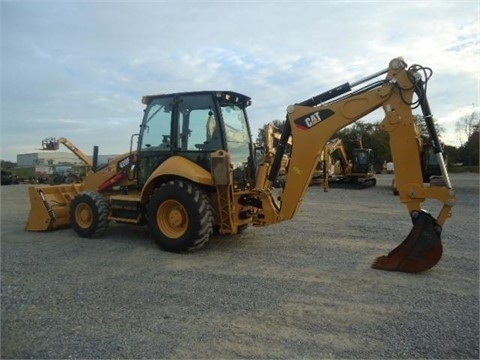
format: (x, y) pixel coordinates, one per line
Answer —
(89, 214)
(180, 216)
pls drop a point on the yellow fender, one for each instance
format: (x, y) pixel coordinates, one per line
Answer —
(178, 166)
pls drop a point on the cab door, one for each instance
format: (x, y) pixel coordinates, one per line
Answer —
(197, 127)
(178, 124)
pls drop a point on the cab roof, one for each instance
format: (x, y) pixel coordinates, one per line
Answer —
(229, 96)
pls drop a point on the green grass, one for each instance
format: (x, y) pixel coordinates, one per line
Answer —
(462, 169)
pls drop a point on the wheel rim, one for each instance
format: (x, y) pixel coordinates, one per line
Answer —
(172, 219)
(84, 215)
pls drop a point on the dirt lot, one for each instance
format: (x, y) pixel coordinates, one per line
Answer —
(300, 289)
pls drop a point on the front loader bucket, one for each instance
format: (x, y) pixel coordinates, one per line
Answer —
(420, 251)
(50, 206)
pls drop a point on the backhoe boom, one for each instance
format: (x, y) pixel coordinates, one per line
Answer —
(310, 128)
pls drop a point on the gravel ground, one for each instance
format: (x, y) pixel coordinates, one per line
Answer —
(300, 289)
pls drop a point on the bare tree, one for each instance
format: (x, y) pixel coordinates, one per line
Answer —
(467, 125)
(423, 129)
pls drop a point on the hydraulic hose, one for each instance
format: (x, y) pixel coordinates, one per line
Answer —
(428, 117)
(318, 99)
(280, 150)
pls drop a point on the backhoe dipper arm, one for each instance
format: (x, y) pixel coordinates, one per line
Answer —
(312, 126)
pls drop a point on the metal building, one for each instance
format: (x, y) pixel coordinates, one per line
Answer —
(46, 161)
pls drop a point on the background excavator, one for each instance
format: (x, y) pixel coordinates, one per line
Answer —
(432, 172)
(194, 169)
(356, 173)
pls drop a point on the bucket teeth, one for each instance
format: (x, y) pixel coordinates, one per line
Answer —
(420, 251)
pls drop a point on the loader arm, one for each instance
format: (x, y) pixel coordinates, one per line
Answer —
(310, 128)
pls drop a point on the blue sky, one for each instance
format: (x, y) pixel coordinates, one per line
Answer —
(78, 69)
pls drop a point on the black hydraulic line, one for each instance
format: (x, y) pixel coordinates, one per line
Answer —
(287, 130)
(428, 117)
(325, 96)
(95, 158)
(340, 90)
(280, 150)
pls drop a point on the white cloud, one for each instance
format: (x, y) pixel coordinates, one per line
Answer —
(79, 69)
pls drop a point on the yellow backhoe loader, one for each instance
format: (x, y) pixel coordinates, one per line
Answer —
(194, 168)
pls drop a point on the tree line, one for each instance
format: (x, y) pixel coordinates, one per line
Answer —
(370, 135)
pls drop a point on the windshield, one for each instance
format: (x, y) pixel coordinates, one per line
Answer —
(236, 130)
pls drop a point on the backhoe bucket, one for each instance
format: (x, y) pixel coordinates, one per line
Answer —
(420, 251)
(50, 206)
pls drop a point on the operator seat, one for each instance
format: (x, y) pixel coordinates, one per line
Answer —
(213, 135)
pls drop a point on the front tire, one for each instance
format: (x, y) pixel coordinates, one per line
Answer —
(89, 214)
(180, 216)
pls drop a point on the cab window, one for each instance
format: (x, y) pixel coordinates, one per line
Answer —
(198, 128)
(156, 134)
(236, 130)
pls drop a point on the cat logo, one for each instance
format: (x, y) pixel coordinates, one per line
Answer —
(311, 120)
